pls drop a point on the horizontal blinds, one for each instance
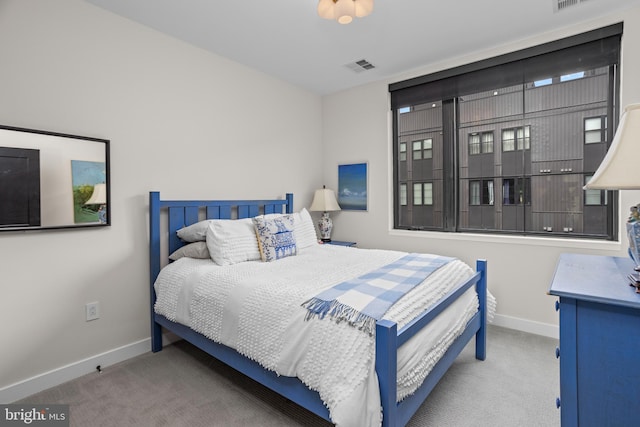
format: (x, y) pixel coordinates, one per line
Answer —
(584, 51)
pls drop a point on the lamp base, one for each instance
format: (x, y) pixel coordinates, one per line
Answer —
(633, 233)
(325, 240)
(325, 225)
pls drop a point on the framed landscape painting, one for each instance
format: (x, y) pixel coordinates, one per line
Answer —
(352, 187)
(86, 177)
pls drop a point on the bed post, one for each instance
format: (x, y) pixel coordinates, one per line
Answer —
(289, 208)
(154, 264)
(387, 369)
(481, 289)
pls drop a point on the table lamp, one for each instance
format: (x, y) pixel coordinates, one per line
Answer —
(324, 201)
(618, 170)
(99, 197)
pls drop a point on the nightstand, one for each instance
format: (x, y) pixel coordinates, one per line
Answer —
(599, 341)
(340, 243)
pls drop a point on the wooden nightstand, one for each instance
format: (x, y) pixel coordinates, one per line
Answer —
(340, 243)
(599, 341)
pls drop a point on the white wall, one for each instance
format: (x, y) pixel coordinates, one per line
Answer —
(180, 120)
(357, 127)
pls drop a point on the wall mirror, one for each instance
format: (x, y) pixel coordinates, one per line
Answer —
(50, 180)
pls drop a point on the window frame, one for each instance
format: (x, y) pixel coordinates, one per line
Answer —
(445, 86)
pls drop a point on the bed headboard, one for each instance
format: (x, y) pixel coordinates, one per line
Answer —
(180, 213)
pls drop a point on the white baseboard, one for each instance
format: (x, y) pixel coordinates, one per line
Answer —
(69, 372)
(524, 325)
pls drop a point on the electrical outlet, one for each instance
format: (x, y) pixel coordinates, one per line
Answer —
(92, 310)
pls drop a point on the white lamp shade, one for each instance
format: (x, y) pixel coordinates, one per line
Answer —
(618, 169)
(324, 200)
(99, 195)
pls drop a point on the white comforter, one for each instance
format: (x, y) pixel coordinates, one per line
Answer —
(255, 307)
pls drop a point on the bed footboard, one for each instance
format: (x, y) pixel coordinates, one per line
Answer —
(389, 339)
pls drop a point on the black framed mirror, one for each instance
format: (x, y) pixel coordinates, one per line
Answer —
(51, 180)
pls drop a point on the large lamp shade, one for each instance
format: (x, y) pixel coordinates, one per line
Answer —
(324, 200)
(618, 169)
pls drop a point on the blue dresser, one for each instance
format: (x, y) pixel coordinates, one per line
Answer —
(599, 341)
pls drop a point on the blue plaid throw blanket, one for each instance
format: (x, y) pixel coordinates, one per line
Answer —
(364, 300)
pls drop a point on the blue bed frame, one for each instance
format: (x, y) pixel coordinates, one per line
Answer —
(176, 214)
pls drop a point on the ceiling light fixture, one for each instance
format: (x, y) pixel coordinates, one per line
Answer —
(344, 11)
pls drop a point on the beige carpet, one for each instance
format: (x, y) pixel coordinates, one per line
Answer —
(181, 386)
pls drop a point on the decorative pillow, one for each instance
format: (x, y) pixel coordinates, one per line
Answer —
(196, 232)
(275, 237)
(192, 250)
(303, 228)
(231, 241)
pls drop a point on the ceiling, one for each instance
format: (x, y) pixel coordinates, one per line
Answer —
(287, 39)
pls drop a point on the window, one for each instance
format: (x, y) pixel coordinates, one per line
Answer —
(402, 156)
(572, 76)
(474, 144)
(403, 194)
(428, 193)
(511, 141)
(423, 193)
(427, 147)
(487, 142)
(516, 139)
(480, 142)
(508, 140)
(417, 194)
(417, 150)
(595, 130)
(481, 193)
(594, 197)
(423, 149)
(516, 191)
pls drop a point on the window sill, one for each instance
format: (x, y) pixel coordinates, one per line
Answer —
(602, 245)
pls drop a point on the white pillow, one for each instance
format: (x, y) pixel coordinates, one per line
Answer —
(197, 250)
(231, 241)
(196, 232)
(303, 228)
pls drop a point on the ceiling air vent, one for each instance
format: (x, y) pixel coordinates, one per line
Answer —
(559, 5)
(360, 66)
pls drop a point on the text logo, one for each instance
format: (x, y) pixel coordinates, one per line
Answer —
(34, 415)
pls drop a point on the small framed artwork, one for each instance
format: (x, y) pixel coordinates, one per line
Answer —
(89, 191)
(352, 187)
